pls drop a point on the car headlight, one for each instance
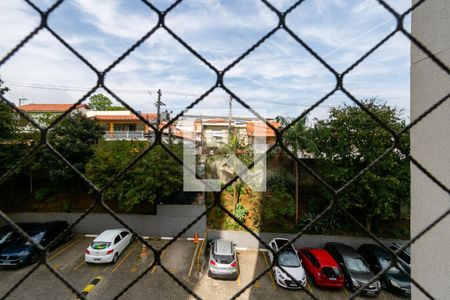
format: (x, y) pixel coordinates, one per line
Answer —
(355, 283)
(281, 275)
(395, 283)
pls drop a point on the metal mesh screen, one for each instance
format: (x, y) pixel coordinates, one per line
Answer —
(219, 84)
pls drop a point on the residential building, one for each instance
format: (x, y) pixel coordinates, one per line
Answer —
(44, 113)
(124, 125)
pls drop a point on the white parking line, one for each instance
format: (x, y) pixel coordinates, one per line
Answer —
(73, 260)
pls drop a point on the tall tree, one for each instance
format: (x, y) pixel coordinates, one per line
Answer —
(242, 151)
(3, 89)
(102, 102)
(6, 115)
(348, 141)
(156, 177)
(298, 139)
(73, 137)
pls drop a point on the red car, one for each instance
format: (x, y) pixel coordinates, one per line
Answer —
(322, 268)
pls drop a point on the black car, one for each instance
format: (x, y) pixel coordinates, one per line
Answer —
(378, 260)
(21, 252)
(355, 269)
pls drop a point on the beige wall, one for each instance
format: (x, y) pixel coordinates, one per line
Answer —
(430, 145)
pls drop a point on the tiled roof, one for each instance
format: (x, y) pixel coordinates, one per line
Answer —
(149, 116)
(48, 107)
(261, 129)
(215, 121)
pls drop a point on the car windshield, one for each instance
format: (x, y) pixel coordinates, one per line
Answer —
(356, 265)
(331, 272)
(288, 258)
(385, 262)
(100, 245)
(223, 259)
(4, 235)
(36, 236)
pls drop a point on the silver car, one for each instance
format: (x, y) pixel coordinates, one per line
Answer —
(222, 260)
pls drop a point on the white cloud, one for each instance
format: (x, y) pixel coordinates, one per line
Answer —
(280, 73)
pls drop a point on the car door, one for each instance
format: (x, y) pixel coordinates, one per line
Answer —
(306, 261)
(126, 237)
(118, 246)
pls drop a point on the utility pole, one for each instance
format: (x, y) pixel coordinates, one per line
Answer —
(229, 118)
(158, 105)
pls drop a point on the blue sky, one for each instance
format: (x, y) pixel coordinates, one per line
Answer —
(278, 78)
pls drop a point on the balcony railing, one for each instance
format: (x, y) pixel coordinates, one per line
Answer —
(125, 136)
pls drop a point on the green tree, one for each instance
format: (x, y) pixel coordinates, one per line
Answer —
(6, 116)
(74, 137)
(157, 176)
(102, 102)
(243, 152)
(348, 141)
(3, 89)
(298, 139)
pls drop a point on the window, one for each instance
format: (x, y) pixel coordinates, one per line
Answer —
(117, 239)
(124, 234)
(313, 260)
(100, 245)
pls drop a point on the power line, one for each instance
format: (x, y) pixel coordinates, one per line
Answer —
(140, 92)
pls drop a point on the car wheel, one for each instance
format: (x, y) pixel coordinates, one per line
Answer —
(34, 258)
(115, 258)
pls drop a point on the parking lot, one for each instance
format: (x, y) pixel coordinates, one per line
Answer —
(180, 261)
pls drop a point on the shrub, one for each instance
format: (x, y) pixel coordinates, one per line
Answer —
(241, 212)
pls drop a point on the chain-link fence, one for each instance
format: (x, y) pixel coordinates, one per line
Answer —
(219, 84)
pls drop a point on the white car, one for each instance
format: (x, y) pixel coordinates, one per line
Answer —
(107, 247)
(291, 264)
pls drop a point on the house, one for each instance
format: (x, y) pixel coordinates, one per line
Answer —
(259, 129)
(216, 131)
(44, 113)
(210, 133)
(124, 125)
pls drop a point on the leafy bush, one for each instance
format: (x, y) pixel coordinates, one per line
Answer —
(328, 223)
(240, 212)
(277, 206)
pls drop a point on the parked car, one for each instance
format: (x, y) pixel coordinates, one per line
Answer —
(108, 246)
(355, 269)
(379, 260)
(404, 256)
(223, 261)
(22, 252)
(322, 268)
(8, 235)
(290, 263)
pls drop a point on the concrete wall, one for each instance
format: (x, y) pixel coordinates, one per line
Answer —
(246, 240)
(169, 221)
(430, 145)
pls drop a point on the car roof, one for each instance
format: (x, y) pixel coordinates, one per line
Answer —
(376, 250)
(324, 258)
(280, 242)
(344, 249)
(108, 235)
(223, 247)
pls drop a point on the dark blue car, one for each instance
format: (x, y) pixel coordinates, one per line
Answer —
(8, 235)
(21, 252)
